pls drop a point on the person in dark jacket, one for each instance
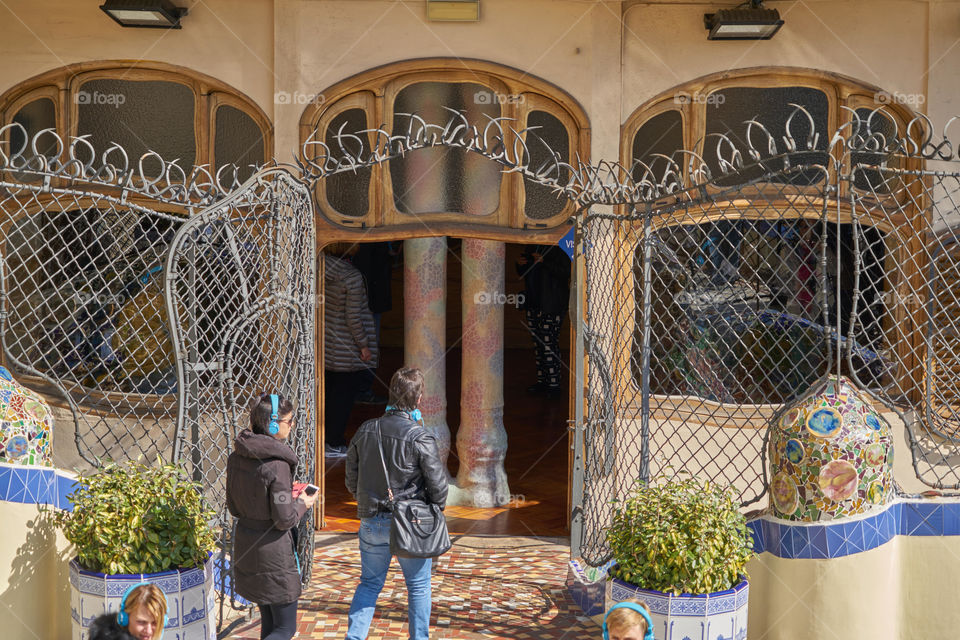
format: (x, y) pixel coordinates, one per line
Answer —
(260, 475)
(413, 462)
(546, 278)
(350, 342)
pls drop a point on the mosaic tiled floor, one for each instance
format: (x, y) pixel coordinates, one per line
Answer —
(483, 588)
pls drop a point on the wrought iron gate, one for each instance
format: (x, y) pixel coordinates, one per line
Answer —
(732, 288)
(240, 291)
(156, 302)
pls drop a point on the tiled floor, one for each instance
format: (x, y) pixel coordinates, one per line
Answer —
(483, 588)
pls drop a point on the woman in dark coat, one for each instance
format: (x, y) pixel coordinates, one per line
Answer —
(260, 475)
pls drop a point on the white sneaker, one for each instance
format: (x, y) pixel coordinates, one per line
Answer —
(334, 452)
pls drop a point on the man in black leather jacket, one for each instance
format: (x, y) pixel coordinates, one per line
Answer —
(413, 462)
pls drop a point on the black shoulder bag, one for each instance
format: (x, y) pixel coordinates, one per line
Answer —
(418, 529)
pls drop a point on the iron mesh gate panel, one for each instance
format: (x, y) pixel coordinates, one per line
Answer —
(725, 324)
(156, 301)
(914, 308)
(241, 285)
(736, 286)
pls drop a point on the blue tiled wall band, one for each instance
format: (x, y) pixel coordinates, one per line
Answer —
(844, 537)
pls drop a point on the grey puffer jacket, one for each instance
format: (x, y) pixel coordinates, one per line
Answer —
(347, 320)
(412, 459)
(259, 481)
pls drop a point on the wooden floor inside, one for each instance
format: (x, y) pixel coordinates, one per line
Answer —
(536, 461)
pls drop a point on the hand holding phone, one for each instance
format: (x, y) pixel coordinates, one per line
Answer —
(306, 493)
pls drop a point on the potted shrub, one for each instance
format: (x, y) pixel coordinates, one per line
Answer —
(682, 546)
(131, 523)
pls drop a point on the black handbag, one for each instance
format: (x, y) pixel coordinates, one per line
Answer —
(418, 528)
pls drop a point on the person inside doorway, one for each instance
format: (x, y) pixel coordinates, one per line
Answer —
(545, 270)
(374, 260)
(350, 342)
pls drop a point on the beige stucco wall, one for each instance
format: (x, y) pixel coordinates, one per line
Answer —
(231, 40)
(610, 56)
(902, 590)
(35, 578)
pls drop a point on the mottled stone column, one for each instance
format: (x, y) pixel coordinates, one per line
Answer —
(425, 327)
(482, 439)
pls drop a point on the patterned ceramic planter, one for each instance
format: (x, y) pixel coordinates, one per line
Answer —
(714, 616)
(189, 592)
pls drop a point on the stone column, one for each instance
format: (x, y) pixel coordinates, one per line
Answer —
(482, 439)
(424, 329)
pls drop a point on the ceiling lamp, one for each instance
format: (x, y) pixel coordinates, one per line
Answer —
(156, 14)
(753, 23)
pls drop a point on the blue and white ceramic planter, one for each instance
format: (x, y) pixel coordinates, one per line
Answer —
(189, 592)
(714, 616)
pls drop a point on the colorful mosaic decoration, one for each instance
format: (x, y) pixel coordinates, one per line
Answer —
(26, 424)
(831, 456)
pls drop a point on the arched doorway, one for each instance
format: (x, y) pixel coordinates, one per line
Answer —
(424, 195)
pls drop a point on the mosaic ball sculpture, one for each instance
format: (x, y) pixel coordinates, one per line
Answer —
(831, 456)
(26, 424)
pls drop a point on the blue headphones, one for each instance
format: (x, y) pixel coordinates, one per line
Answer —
(274, 427)
(123, 618)
(415, 414)
(635, 607)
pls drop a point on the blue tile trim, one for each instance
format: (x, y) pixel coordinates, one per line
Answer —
(35, 485)
(834, 539)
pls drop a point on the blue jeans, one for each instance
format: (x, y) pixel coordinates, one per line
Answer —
(374, 563)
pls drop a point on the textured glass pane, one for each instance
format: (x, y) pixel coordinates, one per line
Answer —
(238, 141)
(728, 109)
(876, 132)
(348, 192)
(34, 117)
(139, 116)
(444, 179)
(662, 134)
(541, 202)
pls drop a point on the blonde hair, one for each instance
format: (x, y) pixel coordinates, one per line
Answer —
(152, 599)
(623, 618)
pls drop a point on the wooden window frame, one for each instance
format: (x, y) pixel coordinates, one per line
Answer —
(841, 91)
(508, 222)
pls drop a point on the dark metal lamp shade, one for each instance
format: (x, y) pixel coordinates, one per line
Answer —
(155, 14)
(742, 24)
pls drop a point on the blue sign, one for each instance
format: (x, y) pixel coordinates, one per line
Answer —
(566, 243)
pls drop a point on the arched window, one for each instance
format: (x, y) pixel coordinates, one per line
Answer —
(83, 273)
(444, 186)
(737, 316)
(180, 114)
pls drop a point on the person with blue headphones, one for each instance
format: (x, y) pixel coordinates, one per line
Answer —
(142, 615)
(628, 620)
(260, 474)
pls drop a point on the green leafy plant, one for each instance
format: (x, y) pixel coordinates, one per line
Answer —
(680, 536)
(132, 518)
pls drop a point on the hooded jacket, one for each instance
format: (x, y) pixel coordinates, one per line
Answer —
(412, 459)
(260, 475)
